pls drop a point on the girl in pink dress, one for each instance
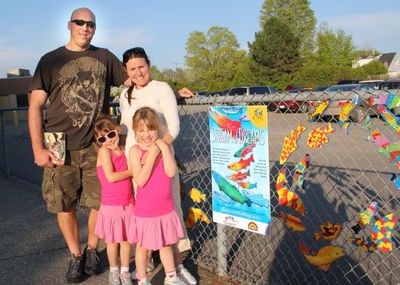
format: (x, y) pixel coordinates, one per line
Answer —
(116, 210)
(156, 224)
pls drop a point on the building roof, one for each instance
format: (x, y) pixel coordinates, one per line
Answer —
(386, 58)
(15, 85)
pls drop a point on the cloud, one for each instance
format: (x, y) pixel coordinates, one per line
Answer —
(370, 31)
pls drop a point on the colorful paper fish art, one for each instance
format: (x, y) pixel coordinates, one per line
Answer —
(390, 100)
(365, 217)
(196, 195)
(395, 178)
(325, 256)
(241, 164)
(290, 143)
(328, 231)
(318, 137)
(389, 118)
(319, 110)
(382, 232)
(292, 222)
(287, 198)
(299, 171)
(364, 244)
(381, 236)
(230, 126)
(195, 215)
(345, 111)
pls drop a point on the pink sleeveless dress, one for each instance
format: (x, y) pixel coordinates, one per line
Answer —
(156, 223)
(117, 203)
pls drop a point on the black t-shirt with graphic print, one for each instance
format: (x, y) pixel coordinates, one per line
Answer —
(78, 88)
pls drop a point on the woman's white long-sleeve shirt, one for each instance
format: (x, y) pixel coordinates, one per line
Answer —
(156, 95)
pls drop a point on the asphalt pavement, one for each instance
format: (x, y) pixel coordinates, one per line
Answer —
(32, 249)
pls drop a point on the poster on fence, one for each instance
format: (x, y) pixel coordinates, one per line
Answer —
(240, 167)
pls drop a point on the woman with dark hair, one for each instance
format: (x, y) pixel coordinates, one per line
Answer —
(146, 92)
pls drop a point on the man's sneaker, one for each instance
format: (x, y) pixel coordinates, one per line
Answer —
(184, 275)
(75, 269)
(113, 277)
(126, 278)
(92, 261)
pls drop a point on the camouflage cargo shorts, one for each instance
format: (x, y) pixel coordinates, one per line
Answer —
(75, 184)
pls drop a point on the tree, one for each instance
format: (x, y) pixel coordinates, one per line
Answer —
(213, 59)
(275, 54)
(331, 60)
(299, 17)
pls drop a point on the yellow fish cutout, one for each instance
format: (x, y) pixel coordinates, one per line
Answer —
(324, 257)
(197, 196)
(290, 143)
(195, 215)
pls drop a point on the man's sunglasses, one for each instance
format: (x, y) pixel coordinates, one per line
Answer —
(80, 22)
(110, 135)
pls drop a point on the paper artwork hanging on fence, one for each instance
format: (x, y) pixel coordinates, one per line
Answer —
(324, 257)
(365, 217)
(196, 195)
(290, 143)
(292, 222)
(299, 171)
(328, 231)
(318, 137)
(240, 167)
(319, 111)
(286, 197)
(196, 215)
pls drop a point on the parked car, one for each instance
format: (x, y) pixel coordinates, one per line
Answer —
(389, 85)
(341, 94)
(252, 90)
(293, 102)
(257, 94)
(320, 88)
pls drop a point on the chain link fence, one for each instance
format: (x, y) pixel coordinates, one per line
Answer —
(343, 178)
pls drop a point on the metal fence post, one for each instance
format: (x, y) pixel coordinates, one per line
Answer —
(222, 250)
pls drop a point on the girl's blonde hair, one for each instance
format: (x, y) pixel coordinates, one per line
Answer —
(104, 124)
(149, 117)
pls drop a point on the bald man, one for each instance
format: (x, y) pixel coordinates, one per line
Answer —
(76, 80)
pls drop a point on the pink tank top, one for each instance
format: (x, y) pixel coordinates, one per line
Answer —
(155, 197)
(116, 193)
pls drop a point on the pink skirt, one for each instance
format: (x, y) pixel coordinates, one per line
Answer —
(114, 222)
(156, 232)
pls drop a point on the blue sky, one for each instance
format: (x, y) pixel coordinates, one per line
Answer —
(162, 27)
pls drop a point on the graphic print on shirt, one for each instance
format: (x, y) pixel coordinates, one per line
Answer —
(82, 82)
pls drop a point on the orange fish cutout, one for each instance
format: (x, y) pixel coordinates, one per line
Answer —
(230, 126)
(241, 164)
(287, 198)
(318, 137)
(324, 257)
(328, 231)
(290, 143)
(195, 215)
(292, 222)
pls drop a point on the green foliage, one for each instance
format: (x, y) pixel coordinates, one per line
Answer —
(331, 60)
(365, 53)
(275, 54)
(374, 68)
(299, 17)
(213, 59)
